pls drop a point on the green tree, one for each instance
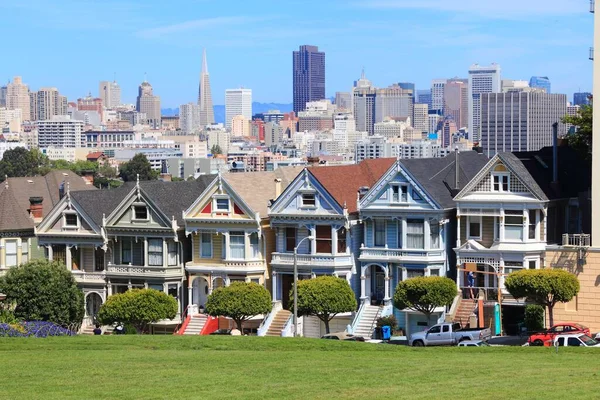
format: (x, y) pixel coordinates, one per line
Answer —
(324, 297)
(107, 171)
(239, 301)
(425, 294)
(44, 291)
(61, 164)
(545, 287)
(581, 139)
(19, 162)
(138, 307)
(216, 149)
(80, 166)
(138, 165)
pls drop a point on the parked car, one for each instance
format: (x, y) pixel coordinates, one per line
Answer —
(343, 336)
(473, 343)
(575, 340)
(448, 334)
(222, 332)
(546, 338)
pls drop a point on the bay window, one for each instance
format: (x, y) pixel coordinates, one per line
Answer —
(323, 239)
(379, 232)
(172, 253)
(415, 234)
(11, 248)
(237, 245)
(254, 245)
(474, 227)
(513, 225)
(341, 240)
(434, 233)
(126, 251)
(206, 245)
(290, 239)
(155, 252)
(532, 224)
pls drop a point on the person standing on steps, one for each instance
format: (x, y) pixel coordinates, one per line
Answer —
(471, 283)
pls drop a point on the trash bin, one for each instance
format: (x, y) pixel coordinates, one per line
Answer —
(377, 333)
(386, 332)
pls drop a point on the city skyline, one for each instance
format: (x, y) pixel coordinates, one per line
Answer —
(554, 44)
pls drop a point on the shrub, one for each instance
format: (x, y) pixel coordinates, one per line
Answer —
(425, 294)
(239, 301)
(138, 307)
(534, 317)
(43, 291)
(39, 329)
(390, 321)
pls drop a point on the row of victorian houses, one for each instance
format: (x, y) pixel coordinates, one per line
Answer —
(374, 224)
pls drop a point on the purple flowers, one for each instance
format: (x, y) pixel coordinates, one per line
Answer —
(34, 329)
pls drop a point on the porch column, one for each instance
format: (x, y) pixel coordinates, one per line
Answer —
(387, 280)
(190, 293)
(500, 280)
(68, 260)
(363, 284)
(348, 241)
(50, 253)
(334, 240)
(109, 287)
(458, 229)
(404, 229)
(165, 253)
(274, 286)
(227, 252)
(145, 252)
(501, 224)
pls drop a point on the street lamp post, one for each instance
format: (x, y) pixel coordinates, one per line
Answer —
(296, 284)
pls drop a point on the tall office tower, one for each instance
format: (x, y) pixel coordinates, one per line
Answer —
(437, 95)
(449, 127)
(60, 131)
(47, 103)
(582, 99)
(407, 85)
(511, 85)
(90, 104)
(110, 93)
(520, 121)
(456, 101)
(237, 102)
(17, 96)
(207, 113)
(363, 101)
(481, 80)
(420, 117)
(3, 92)
(149, 104)
(343, 101)
(434, 121)
(541, 82)
(424, 97)
(393, 101)
(189, 118)
(308, 76)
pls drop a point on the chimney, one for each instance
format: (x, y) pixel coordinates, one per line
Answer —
(456, 170)
(277, 187)
(88, 177)
(36, 208)
(166, 177)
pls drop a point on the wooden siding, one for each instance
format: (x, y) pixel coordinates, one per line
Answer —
(217, 248)
(487, 231)
(88, 259)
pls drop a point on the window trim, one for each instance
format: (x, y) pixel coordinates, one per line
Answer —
(237, 234)
(64, 216)
(436, 223)
(375, 224)
(403, 192)
(211, 245)
(162, 252)
(501, 184)
(216, 209)
(480, 221)
(15, 254)
(170, 253)
(314, 200)
(134, 206)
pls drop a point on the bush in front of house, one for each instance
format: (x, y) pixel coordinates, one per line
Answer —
(38, 329)
(425, 294)
(534, 317)
(43, 290)
(239, 301)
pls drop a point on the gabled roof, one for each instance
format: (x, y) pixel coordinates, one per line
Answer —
(343, 181)
(170, 197)
(437, 175)
(12, 216)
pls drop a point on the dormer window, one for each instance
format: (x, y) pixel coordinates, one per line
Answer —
(222, 204)
(400, 193)
(71, 220)
(309, 200)
(500, 179)
(140, 212)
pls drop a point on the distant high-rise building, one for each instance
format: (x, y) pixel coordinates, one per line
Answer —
(572, 111)
(481, 80)
(420, 117)
(90, 103)
(240, 126)
(435, 121)
(437, 95)
(456, 101)
(407, 86)
(110, 93)
(424, 97)
(189, 118)
(47, 103)
(582, 99)
(149, 104)
(520, 121)
(17, 96)
(60, 131)
(3, 92)
(541, 82)
(449, 127)
(511, 85)
(237, 102)
(270, 116)
(343, 101)
(308, 76)
(207, 113)
(363, 100)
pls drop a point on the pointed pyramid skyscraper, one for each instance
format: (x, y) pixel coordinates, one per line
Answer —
(207, 114)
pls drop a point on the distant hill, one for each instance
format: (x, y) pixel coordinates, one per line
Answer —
(220, 109)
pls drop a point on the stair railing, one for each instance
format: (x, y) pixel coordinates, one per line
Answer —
(352, 327)
(266, 322)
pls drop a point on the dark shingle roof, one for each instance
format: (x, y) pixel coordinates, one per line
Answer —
(437, 175)
(12, 216)
(516, 165)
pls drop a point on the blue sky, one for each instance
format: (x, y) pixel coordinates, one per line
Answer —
(73, 44)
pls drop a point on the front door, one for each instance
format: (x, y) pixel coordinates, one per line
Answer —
(287, 282)
(93, 303)
(378, 283)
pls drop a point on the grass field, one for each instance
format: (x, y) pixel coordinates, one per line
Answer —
(175, 367)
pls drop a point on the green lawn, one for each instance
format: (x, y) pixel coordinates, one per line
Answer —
(175, 367)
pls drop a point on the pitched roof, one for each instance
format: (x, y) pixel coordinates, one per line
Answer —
(172, 198)
(258, 188)
(47, 186)
(437, 175)
(94, 155)
(574, 171)
(343, 181)
(516, 165)
(12, 216)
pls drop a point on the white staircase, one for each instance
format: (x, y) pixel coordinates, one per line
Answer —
(368, 320)
(194, 327)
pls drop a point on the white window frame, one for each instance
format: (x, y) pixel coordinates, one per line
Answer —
(210, 242)
(237, 245)
(536, 224)
(375, 224)
(69, 212)
(480, 221)
(436, 223)
(524, 232)
(254, 249)
(502, 176)
(170, 253)
(402, 197)
(24, 251)
(15, 254)
(314, 196)
(162, 252)
(134, 214)
(216, 204)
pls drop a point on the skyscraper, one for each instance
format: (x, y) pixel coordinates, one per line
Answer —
(207, 113)
(149, 104)
(420, 117)
(520, 121)
(47, 103)
(437, 95)
(407, 85)
(110, 93)
(456, 101)
(424, 97)
(237, 102)
(581, 99)
(308, 76)
(481, 80)
(189, 118)
(541, 82)
(3, 92)
(17, 96)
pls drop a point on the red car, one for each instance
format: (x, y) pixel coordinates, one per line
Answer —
(546, 338)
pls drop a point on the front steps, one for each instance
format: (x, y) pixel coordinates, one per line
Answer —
(195, 325)
(368, 320)
(281, 318)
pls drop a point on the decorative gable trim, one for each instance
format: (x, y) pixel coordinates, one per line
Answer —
(138, 195)
(387, 178)
(69, 205)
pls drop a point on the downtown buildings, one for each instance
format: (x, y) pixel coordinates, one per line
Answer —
(237, 102)
(148, 104)
(110, 93)
(308, 76)
(481, 80)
